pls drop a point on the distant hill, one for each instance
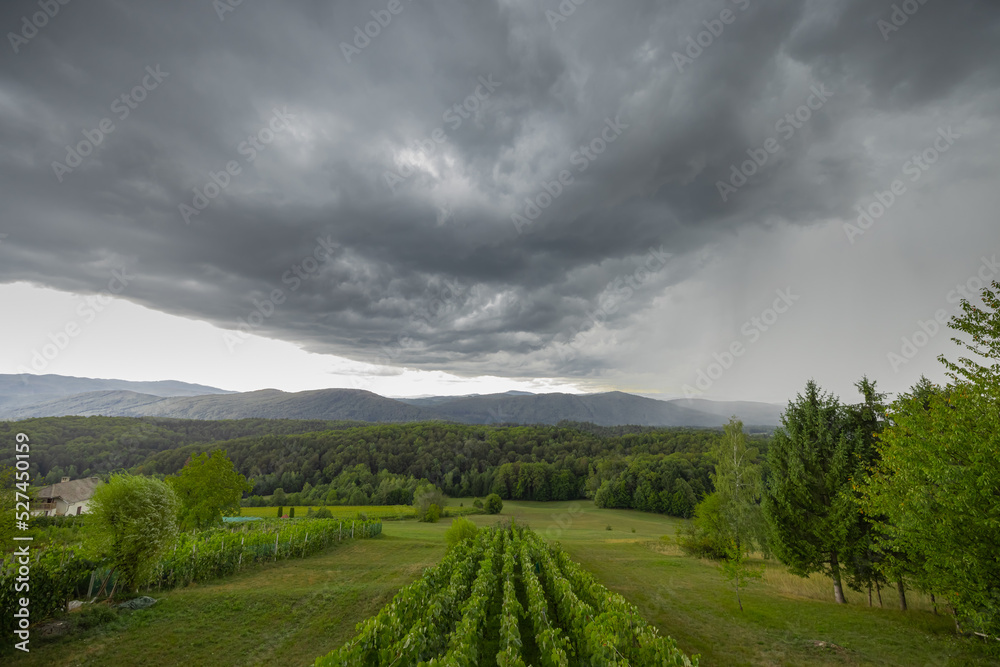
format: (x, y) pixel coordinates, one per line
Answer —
(63, 385)
(605, 409)
(114, 398)
(749, 412)
(327, 404)
(26, 395)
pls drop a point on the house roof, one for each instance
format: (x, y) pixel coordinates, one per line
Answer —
(71, 492)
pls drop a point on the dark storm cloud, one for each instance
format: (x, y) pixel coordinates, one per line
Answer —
(432, 271)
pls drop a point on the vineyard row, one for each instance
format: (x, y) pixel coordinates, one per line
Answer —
(506, 598)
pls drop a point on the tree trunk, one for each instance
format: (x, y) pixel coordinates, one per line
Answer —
(106, 580)
(934, 602)
(838, 589)
(902, 593)
(878, 589)
(869, 594)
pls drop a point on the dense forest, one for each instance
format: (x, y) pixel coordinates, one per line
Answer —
(383, 464)
(308, 462)
(85, 446)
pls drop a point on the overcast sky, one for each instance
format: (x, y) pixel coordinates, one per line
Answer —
(496, 195)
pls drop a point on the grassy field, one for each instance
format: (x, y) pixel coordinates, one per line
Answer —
(291, 612)
(387, 512)
(338, 511)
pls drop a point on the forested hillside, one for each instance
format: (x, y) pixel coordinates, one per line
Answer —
(303, 462)
(84, 446)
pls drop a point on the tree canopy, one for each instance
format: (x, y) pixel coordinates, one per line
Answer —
(811, 463)
(937, 482)
(208, 487)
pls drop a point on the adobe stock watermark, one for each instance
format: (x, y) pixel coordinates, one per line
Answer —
(581, 159)
(562, 521)
(915, 168)
(622, 289)
(435, 307)
(37, 21)
(926, 330)
(565, 9)
(372, 29)
(752, 330)
(122, 107)
(250, 148)
(223, 7)
(786, 126)
(293, 278)
(713, 30)
(87, 311)
(900, 15)
(455, 116)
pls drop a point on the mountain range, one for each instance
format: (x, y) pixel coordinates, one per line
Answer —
(26, 396)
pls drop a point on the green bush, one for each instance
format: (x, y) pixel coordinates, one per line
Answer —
(493, 504)
(94, 615)
(291, 512)
(425, 497)
(703, 537)
(433, 514)
(461, 530)
(477, 503)
(135, 523)
(281, 511)
(608, 527)
(323, 513)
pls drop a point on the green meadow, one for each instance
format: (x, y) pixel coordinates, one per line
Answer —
(291, 612)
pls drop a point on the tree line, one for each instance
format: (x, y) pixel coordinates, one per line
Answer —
(904, 494)
(385, 464)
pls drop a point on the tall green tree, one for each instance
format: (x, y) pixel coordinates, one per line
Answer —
(134, 521)
(427, 502)
(209, 487)
(739, 486)
(938, 482)
(867, 564)
(807, 505)
(982, 325)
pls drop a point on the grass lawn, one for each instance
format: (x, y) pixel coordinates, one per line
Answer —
(283, 614)
(291, 612)
(338, 511)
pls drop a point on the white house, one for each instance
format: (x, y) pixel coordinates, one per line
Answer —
(65, 498)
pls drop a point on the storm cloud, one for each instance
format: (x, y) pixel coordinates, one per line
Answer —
(501, 187)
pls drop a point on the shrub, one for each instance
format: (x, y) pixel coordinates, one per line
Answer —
(703, 537)
(291, 512)
(323, 513)
(135, 523)
(433, 514)
(281, 511)
(461, 530)
(427, 496)
(94, 615)
(608, 527)
(493, 504)
(477, 503)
